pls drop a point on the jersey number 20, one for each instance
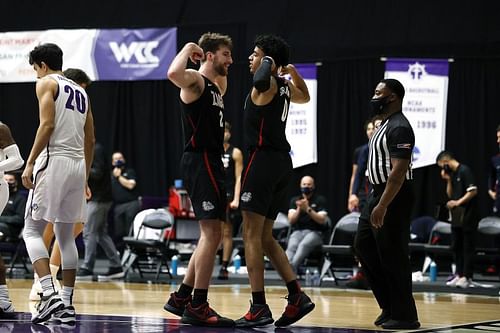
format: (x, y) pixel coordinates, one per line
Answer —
(75, 99)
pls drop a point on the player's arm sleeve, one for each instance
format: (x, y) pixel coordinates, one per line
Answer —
(262, 77)
(13, 159)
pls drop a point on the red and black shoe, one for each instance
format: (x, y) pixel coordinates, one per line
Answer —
(258, 315)
(223, 274)
(204, 315)
(298, 306)
(176, 304)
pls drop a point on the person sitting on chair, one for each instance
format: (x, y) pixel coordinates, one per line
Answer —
(309, 220)
(12, 218)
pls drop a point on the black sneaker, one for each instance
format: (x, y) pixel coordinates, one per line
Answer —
(111, 274)
(223, 274)
(298, 306)
(84, 274)
(176, 304)
(203, 315)
(258, 315)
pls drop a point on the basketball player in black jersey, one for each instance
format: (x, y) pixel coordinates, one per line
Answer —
(201, 166)
(232, 160)
(267, 174)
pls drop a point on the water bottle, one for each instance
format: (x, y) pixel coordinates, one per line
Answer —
(237, 263)
(173, 265)
(315, 278)
(433, 271)
(308, 278)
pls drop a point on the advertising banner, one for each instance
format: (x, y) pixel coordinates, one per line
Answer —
(104, 54)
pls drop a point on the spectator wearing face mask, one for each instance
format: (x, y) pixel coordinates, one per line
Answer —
(461, 190)
(308, 217)
(125, 197)
(12, 218)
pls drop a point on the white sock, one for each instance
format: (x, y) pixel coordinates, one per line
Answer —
(67, 295)
(47, 285)
(53, 271)
(4, 292)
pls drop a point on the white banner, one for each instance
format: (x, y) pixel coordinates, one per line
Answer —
(424, 104)
(104, 54)
(301, 130)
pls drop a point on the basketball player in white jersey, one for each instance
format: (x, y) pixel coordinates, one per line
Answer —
(56, 172)
(10, 159)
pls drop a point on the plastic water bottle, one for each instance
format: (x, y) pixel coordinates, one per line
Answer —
(433, 271)
(315, 278)
(308, 278)
(237, 263)
(173, 265)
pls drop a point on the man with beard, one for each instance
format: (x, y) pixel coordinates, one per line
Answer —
(201, 166)
(381, 241)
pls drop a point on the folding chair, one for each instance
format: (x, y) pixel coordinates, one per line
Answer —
(341, 243)
(149, 246)
(488, 238)
(16, 248)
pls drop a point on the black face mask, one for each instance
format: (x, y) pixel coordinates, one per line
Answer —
(12, 188)
(447, 169)
(306, 190)
(378, 104)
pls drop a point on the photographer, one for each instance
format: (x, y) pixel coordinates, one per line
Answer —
(462, 191)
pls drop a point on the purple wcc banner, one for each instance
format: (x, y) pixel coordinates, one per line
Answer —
(139, 54)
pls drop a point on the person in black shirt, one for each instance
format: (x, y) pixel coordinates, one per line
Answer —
(10, 159)
(232, 159)
(381, 241)
(201, 166)
(494, 178)
(125, 197)
(95, 231)
(309, 218)
(266, 176)
(357, 183)
(12, 218)
(462, 191)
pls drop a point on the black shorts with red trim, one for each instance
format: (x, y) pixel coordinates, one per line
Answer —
(203, 177)
(264, 183)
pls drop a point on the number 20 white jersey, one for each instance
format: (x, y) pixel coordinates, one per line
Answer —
(71, 106)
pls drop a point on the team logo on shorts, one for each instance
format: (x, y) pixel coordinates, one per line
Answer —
(246, 197)
(34, 206)
(207, 206)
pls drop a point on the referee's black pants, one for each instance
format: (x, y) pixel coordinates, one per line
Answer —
(384, 253)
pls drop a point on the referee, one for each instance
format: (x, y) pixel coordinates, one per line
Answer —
(384, 225)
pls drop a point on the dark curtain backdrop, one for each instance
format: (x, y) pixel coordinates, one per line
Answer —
(142, 119)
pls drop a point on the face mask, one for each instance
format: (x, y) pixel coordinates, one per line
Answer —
(306, 190)
(119, 163)
(377, 104)
(447, 169)
(12, 188)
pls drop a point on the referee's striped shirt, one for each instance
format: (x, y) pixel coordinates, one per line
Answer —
(394, 138)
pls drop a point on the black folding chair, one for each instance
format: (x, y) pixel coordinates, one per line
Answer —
(149, 248)
(341, 243)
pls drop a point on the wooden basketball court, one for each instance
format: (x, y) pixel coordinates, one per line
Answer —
(335, 308)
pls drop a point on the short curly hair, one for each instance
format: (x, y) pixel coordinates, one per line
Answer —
(274, 47)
